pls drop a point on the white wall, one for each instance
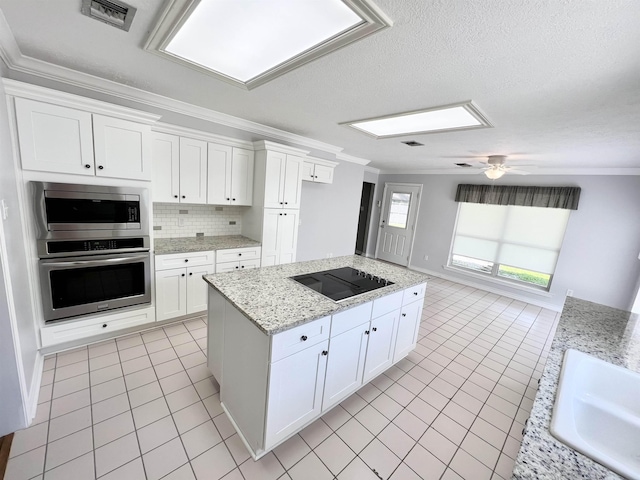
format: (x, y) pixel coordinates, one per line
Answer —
(20, 304)
(329, 214)
(599, 257)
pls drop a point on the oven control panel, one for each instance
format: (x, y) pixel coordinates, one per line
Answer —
(94, 246)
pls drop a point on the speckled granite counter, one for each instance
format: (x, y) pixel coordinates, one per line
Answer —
(275, 303)
(163, 246)
(606, 333)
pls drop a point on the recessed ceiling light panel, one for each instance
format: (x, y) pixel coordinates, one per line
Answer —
(462, 116)
(249, 42)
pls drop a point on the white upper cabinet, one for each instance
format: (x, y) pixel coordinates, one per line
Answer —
(122, 148)
(193, 171)
(91, 140)
(230, 175)
(166, 168)
(283, 177)
(54, 138)
(318, 170)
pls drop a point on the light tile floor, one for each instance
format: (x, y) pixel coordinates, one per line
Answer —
(145, 406)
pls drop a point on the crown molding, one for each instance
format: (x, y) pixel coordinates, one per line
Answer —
(350, 158)
(538, 171)
(321, 161)
(16, 61)
(276, 147)
(374, 170)
(170, 129)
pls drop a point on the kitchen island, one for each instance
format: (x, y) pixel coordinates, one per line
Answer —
(606, 333)
(284, 354)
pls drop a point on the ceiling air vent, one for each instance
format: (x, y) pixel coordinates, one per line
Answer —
(464, 165)
(411, 143)
(116, 14)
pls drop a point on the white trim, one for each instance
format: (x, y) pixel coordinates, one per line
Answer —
(488, 288)
(538, 171)
(499, 281)
(374, 170)
(31, 402)
(321, 161)
(350, 158)
(162, 127)
(16, 61)
(276, 147)
(176, 13)
(48, 95)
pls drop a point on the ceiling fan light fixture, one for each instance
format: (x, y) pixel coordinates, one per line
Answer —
(494, 173)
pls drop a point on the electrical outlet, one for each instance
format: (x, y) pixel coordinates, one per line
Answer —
(426, 257)
(569, 293)
(180, 222)
(329, 255)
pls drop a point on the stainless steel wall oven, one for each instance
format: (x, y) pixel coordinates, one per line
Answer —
(93, 244)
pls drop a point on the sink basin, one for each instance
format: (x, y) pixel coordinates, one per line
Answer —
(597, 412)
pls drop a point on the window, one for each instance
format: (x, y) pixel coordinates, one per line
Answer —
(399, 209)
(515, 243)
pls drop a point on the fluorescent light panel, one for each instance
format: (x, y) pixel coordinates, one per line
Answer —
(243, 39)
(439, 119)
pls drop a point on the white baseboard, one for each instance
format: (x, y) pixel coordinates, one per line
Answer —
(31, 403)
(489, 288)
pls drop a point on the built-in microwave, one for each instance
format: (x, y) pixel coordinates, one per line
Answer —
(65, 212)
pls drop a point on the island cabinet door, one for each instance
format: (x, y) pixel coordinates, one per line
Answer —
(345, 365)
(407, 330)
(382, 340)
(295, 392)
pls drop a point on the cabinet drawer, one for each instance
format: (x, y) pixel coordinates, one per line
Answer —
(414, 293)
(176, 260)
(387, 304)
(231, 254)
(67, 332)
(343, 321)
(241, 265)
(298, 338)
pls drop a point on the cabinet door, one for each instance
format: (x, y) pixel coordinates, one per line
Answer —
(274, 180)
(122, 148)
(53, 138)
(171, 293)
(408, 324)
(288, 236)
(166, 168)
(270, 237)
(219, 174)
(295, 392)
(242, 177)
(382, 339)
(193, 171)
(323, 174)
(345, 365)
(307, 171)
(197, 288)
(292, 183)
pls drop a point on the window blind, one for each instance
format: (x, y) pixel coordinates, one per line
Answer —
(524, 237)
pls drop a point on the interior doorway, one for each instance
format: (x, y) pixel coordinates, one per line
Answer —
(398, 222)
(364, 219)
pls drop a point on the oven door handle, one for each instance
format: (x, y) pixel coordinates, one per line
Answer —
(97, 263)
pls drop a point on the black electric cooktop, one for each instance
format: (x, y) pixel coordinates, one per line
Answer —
(341, 283)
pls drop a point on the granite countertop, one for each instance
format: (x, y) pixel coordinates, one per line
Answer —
(274, 302)
(606, 333)
(164, 246)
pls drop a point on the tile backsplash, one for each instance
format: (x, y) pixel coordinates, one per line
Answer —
(208, 219)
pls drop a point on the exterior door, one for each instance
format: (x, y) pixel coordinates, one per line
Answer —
(398, 222)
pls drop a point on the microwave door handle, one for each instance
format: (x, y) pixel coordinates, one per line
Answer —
(89, 263)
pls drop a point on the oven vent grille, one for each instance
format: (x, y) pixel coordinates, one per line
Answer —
(116, 14)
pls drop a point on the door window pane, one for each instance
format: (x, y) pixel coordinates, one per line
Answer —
(399, 210)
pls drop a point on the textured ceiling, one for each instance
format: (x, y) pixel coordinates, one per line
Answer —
(559, 79)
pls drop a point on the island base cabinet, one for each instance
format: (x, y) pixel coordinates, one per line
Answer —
(408, 325)
(295, 392)
(382, 340)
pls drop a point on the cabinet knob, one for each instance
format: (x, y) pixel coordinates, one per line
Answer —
(100, 167)
(190, 273)
(303, 338)
(325, 352)
(375, 329)
(186, 259)
(284, 213)
(183, 274)
(311, 176)
(237, 267)
(175, 196)
(280, 203)
(239, 254)
(233, 199)
(404, 314)
(87, 166)
(316, 176)
(366, 332)
(228, 199)
(280, 214)
(415, 293)
(104, 325)
(241, 266)
(183, 196)
(286, 203)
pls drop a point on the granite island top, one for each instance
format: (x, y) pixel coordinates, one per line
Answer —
(164, 246)
(606, 333)
(274, 302)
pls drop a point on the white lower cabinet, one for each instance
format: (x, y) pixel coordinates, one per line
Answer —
(408, 325)
(382, 341)
(232, 259)
(182, 291)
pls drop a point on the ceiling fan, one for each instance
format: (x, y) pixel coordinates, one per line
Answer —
(496, 167)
